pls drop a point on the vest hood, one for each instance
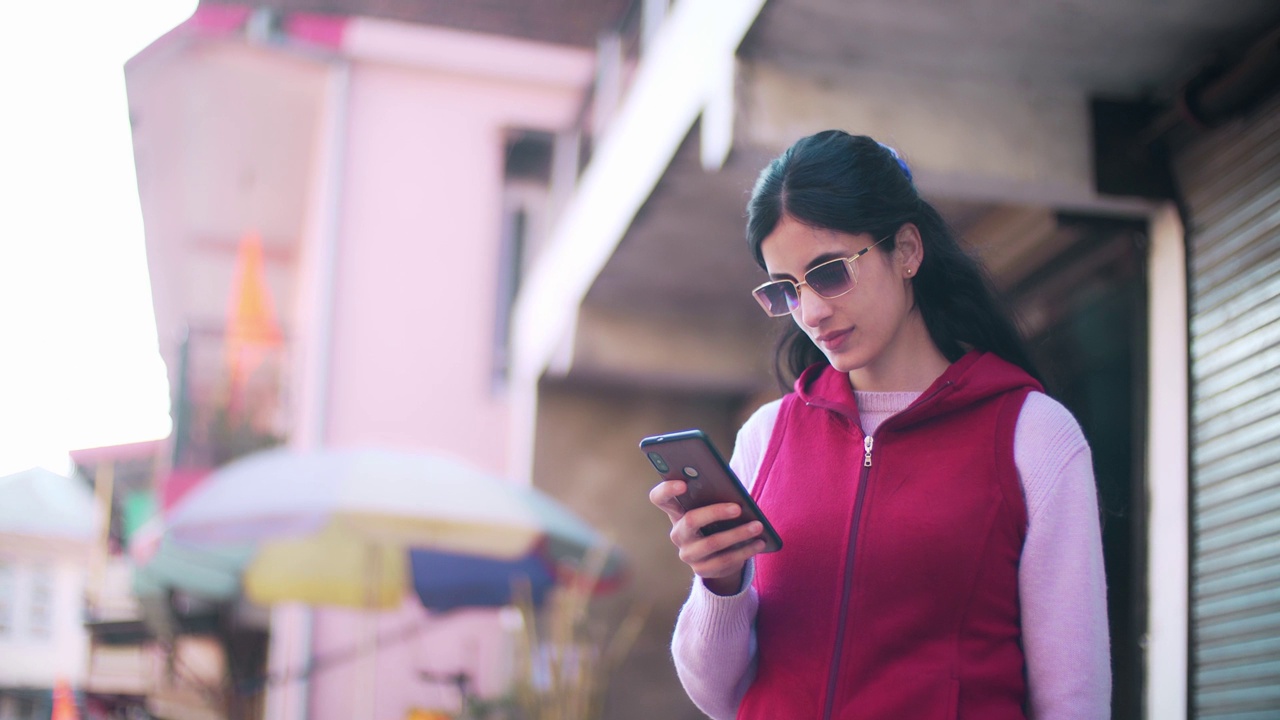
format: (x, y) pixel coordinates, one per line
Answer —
(976, 376)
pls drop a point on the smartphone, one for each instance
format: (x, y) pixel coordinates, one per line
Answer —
(689, 455)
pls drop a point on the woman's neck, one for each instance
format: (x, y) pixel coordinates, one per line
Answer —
(909, 363)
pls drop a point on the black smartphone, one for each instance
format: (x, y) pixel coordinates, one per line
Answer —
(689, 455)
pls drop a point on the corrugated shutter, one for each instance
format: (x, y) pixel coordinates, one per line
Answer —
(1231, 182)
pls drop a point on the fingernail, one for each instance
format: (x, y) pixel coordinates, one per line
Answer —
(755, 527)
(734, 511)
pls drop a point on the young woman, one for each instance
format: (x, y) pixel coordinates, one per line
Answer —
(942, 553)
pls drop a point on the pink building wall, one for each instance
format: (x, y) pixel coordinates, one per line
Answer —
(415, 283)
(414, 292)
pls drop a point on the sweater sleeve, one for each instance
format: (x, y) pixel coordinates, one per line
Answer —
(1061, 581)
(714, 645)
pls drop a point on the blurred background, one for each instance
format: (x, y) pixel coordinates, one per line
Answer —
(511, 234)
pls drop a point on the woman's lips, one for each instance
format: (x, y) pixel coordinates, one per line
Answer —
(831, 339)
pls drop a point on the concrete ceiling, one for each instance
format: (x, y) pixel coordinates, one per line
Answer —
(685, 251)
(1107, 47)
(686, 242)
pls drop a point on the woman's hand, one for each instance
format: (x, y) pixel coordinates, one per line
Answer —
(718, 559)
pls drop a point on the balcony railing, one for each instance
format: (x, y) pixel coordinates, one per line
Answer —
(225, 406)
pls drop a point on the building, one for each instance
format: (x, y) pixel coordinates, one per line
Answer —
(132, 663)
(47, 537)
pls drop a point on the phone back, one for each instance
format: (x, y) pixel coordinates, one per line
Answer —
(690, 456)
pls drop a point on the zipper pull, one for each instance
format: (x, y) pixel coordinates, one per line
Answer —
(866, 461)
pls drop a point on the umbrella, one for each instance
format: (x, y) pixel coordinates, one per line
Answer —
(443, 581)
(361, 527)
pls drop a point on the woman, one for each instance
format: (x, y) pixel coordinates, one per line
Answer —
(942, 553)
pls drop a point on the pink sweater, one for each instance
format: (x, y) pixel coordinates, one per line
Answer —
(1061, 585)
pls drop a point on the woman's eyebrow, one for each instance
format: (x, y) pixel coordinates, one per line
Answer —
(815, 262)
(823, 258)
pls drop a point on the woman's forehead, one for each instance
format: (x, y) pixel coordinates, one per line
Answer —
(792, 237)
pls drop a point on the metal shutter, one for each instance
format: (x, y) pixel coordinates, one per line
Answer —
(1231, 181)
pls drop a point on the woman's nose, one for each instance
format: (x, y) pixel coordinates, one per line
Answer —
(811, 308)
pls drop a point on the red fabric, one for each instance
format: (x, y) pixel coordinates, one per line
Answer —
(178, 483)
(220, 19)
(908, 607)
(324, 30)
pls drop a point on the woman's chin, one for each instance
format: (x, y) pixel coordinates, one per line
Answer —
(845, 362)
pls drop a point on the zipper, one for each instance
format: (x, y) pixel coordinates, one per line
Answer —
(833, 675)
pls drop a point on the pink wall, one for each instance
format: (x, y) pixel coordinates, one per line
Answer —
(410, 642)
(414, 302)
(417, 270)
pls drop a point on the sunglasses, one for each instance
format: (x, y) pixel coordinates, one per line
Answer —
(829, 280)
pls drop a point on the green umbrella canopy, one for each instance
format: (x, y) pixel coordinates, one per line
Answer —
(161, 564)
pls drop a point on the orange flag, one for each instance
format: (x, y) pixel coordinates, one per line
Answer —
(252, 329)
(64, 702)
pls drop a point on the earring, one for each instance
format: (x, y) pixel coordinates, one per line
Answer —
(909, 271)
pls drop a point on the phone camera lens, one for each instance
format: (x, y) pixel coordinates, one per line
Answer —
(690, 471)
(658, 462)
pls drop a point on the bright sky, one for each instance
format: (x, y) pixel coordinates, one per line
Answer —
(79, 359)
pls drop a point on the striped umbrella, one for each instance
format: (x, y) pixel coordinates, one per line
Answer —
(363, 527)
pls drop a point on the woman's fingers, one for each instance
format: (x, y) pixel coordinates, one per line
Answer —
(664, 495)
(715, 547)
(717, 555)
(689, 528)
(727, 563)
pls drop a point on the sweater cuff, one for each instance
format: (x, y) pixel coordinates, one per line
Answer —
(721, 615)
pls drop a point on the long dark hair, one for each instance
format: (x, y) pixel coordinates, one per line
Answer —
(853, 184)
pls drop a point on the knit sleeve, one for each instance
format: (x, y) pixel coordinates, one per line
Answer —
(1061, 582)
(714, 645)
(753, 441)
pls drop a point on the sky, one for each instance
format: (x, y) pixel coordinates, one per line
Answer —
(79, 358)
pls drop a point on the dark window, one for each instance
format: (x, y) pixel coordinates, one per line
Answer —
(527, 177)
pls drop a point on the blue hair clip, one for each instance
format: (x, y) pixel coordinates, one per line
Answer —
(901, 163)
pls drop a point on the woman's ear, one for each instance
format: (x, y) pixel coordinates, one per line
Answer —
(908, 250)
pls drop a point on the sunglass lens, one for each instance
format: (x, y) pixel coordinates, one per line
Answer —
(831, 279)
(777, 298)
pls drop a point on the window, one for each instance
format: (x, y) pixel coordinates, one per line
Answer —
(25, 709)
(19, 705)
(7, 600)
(527, 178)
(40, 611)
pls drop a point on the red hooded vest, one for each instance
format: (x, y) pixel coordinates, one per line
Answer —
(896, 592)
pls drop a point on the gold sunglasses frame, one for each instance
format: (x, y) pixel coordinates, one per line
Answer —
(803, 283)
